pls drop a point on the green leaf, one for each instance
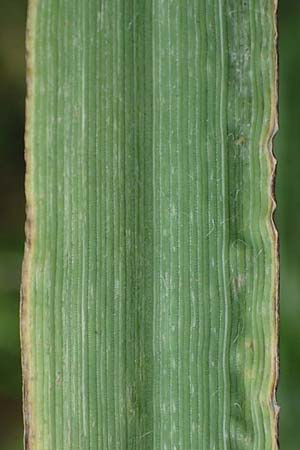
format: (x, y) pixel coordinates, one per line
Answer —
(150, 274)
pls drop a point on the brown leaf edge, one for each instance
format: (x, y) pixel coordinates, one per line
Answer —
(275, 409)
(25, 320)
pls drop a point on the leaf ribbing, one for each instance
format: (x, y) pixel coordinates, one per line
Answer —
(150, 277)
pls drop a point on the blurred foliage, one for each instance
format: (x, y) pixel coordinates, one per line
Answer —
(288, 221)
(12, 92)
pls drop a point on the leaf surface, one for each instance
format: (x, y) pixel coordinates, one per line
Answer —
(150, 274)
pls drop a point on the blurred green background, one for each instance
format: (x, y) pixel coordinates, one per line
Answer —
(12, 89)
(288, 221)
(12, 99)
